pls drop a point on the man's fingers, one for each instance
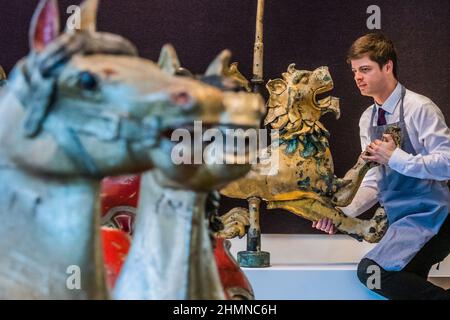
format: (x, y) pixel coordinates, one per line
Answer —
(319, 224)
(371, 149)
(370, 158)
(332, 228)
(377, 142)
(325, 224)
(328, 226)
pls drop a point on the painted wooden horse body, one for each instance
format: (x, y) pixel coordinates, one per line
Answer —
(80, 106)
(171, 255)
(119, 199)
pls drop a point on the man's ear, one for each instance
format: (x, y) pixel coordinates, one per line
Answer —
(389, 66)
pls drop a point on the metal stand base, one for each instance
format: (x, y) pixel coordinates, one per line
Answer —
(253, 259)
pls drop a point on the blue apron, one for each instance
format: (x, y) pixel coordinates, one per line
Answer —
(416, 208)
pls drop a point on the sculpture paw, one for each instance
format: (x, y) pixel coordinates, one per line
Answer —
(235, 223)
(378, 226)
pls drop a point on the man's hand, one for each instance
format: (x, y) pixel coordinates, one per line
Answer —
(325, 225)
(380, 151)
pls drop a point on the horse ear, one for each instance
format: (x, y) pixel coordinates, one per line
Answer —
(168, 60)
(84, 17)
(2, 74)
(89, 11)
(220, 65)
(44, 25)
(2, 77)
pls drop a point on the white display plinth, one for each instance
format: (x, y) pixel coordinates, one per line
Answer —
(318, 267)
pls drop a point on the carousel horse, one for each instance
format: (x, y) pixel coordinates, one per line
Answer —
(81, 106)
(171, 255)
(120, 195)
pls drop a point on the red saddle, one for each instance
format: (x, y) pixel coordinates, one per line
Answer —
(119, 200)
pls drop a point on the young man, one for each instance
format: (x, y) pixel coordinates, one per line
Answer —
(410, 182)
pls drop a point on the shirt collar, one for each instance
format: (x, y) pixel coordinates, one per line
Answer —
(391, 103)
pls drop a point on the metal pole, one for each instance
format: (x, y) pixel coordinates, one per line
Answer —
(258, 57)
(254, 257)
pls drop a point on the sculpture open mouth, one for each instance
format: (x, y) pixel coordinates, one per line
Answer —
(326, 103)
(320, 98)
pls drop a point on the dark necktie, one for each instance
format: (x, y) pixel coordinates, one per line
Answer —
(381, 117)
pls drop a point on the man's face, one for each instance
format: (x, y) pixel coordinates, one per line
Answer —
(369, 77)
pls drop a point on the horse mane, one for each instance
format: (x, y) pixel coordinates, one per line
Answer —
(86, 43)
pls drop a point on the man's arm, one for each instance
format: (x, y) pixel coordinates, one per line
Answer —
(434, 134)
(366, 197)
(367, 194)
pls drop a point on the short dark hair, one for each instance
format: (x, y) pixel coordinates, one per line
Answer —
(377, 46)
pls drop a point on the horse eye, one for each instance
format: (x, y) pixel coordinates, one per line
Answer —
(88, 81)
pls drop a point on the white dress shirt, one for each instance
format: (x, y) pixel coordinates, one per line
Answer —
(429, 136)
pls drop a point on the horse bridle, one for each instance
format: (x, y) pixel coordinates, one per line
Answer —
(67, 125)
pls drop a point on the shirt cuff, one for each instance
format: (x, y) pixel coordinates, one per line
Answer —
(398, 160)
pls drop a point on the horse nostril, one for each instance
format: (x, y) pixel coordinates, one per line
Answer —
(182, 99)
